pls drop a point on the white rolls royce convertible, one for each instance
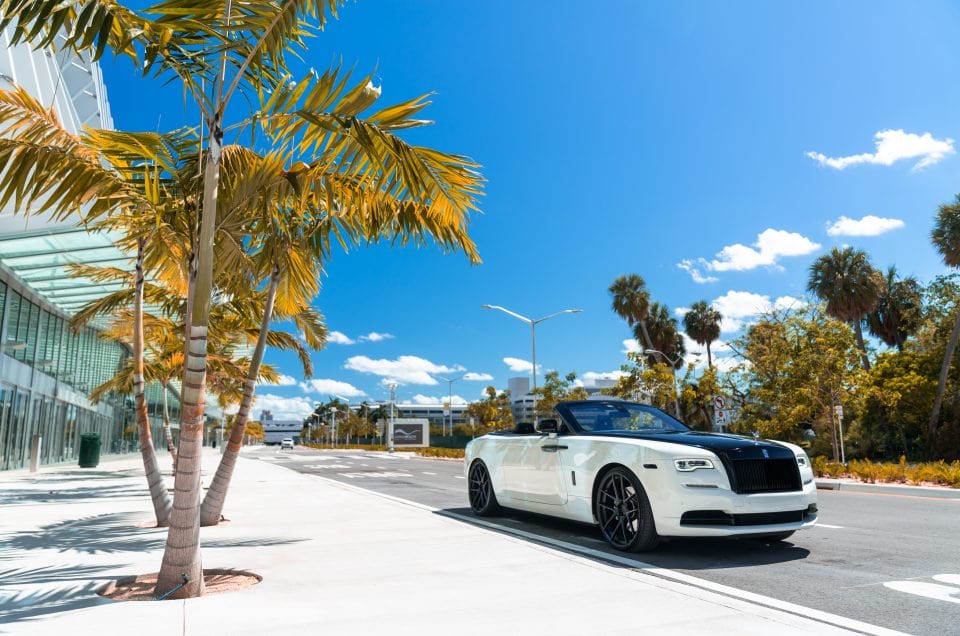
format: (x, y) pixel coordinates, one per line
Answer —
(640, 474)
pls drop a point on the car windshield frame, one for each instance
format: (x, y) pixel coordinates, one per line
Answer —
(616, 417)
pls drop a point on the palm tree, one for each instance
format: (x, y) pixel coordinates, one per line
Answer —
(897, 314)
(631, 301)
(664, 335)
(702, 324)
(946, 238)
(216, 49)
(850, 286)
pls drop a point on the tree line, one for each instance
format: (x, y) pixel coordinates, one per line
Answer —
(803, 374)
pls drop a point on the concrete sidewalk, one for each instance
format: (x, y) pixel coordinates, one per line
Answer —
(334, 560)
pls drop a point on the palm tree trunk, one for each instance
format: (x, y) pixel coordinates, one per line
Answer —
(213, 502)
(181, 555)
(166, 429)
(158, 490)
(942, 385)
(863, 349)
(709, 357)
(647, 342)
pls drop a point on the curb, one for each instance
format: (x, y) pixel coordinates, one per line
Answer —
(901, 489)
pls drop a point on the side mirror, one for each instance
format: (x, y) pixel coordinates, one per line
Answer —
(549, 426)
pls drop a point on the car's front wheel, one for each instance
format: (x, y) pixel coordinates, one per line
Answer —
(623, 511)
(483, 501)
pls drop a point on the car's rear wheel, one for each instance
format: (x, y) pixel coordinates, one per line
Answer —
(623, 511)
(483, 501)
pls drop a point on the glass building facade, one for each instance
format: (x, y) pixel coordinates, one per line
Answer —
(46, 369)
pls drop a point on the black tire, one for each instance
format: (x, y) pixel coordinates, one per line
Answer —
(483, 501)
(623, 512)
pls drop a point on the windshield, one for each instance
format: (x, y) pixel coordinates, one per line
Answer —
(599, 417)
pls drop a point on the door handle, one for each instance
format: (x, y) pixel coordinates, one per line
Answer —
(552, 448)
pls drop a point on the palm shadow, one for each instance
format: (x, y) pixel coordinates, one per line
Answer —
(673, 553)
(27, 605)
(113, 533)
(37, 495)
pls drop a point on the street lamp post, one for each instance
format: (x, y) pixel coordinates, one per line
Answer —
(393, 399)
(673, 367)
(450, 398)
(533, 322)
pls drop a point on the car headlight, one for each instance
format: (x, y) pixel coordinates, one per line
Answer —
(803, 460)
(687, 465)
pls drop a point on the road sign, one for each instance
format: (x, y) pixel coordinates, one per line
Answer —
(719, 402)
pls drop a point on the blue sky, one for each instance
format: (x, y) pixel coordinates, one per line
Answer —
(670, 139)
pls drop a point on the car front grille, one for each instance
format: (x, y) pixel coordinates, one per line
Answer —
(720, 518)
(765, 475)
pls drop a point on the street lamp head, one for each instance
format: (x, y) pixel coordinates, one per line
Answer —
(651, 352)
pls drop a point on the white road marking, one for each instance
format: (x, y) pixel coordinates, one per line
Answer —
(426, 473)
(946, 593)
(334, 466)
(459, 477)
(380, 474)
(691, 584)
(824, 525)
(953, 579)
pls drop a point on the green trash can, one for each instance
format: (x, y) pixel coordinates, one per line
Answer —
(89, 450)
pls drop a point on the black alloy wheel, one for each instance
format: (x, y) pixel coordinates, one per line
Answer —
(623, 512)
(482, 500)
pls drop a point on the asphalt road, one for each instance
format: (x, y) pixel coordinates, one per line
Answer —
(890, 559)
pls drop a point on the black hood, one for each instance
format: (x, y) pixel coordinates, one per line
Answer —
(730, 446)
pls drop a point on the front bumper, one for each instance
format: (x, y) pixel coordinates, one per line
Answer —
(722, 513)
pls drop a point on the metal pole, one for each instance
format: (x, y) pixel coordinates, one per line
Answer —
(533, 349)
(450, 403)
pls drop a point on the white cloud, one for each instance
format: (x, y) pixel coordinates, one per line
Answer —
(403, 370)
(427, 399)
(337, 387)
(521, 366)
(740, 307)
(373, 336)
(892, 146)
(680, 312)
(336, 337)
(283, 380)
(477, 377)
(770, 246)
(630, 345)
(869, 225)
(283, 408)
(689, 265)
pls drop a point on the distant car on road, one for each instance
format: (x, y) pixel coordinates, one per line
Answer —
(286, 442)
(640, 474)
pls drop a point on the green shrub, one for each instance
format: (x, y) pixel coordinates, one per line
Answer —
(939, 472)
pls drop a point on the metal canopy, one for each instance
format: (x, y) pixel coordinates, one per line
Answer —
(42, 259)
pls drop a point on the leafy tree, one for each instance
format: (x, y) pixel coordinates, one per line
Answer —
(557, 389)
(849, 285)
(702, 324)
(897, 314)
(492, 412)
(631, 301)
(899, 392)
(796, 368)
(641, 382)
(946, 238)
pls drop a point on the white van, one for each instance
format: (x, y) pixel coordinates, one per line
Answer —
(286, 442)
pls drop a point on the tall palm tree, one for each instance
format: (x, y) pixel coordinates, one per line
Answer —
(631, 301)
(664, 335)
(217, 49)
(946, 238)
(702, 324)
(850, 286)
(897, 314)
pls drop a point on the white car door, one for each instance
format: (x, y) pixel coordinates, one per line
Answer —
(542, 474)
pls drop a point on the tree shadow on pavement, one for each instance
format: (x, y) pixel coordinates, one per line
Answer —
(26, 605)
(677, 554)
(112, 533)
(48, 495)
